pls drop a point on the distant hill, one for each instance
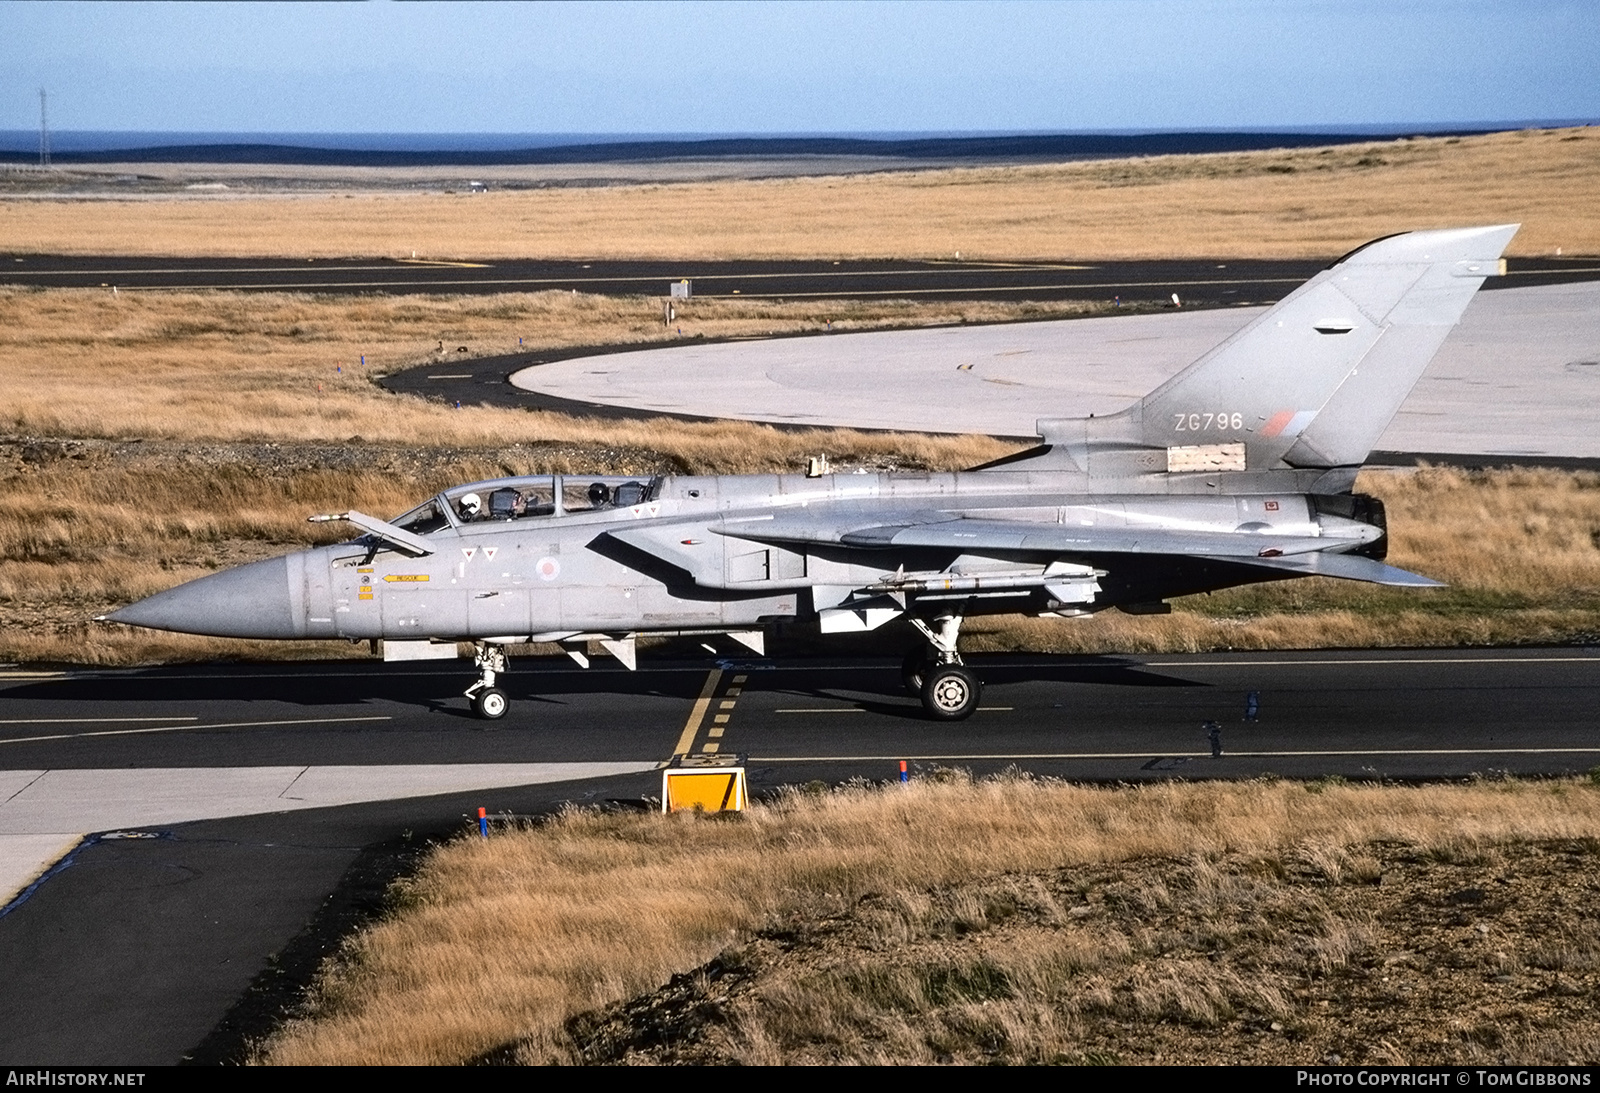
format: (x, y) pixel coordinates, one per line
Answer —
(935, 148)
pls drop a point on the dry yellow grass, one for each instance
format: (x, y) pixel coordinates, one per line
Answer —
(241, 366)
(1386, 954)
(1520, 550)
(498, 943)
(78, 536)
(82, 536)
(1299, 203)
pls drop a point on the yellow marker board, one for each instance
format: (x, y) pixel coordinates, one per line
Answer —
(702, 784)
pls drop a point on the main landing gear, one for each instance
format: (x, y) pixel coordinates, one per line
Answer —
(948, 688)
(488, 701)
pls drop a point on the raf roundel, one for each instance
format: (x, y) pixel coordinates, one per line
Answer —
(548, 569)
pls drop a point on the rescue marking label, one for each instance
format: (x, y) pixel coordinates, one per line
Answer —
(392, 577)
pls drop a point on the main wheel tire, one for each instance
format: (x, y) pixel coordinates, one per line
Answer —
(914, 671)
(490, 703)
(950, 693)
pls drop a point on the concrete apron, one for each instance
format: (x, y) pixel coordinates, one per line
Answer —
(44, 814)
(1520, 375)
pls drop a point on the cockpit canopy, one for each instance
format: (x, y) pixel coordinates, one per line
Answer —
(531, 497)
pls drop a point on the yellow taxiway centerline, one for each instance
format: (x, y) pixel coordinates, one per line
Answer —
(697, 713)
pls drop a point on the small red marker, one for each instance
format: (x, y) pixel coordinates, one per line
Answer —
(904, 776)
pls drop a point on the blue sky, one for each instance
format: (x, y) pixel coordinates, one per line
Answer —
(775, 67)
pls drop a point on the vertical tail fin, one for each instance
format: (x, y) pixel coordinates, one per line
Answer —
(1314, 381)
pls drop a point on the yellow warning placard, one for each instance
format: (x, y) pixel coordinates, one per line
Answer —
(392, 577)
(704, 789)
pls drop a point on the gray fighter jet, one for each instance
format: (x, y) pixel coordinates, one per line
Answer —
(1237, 470)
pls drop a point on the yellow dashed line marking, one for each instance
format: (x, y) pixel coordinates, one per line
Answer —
(698, 713)
(719, 722)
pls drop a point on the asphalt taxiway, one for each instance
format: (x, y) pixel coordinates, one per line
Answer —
(163, 938)
(1205, 282)
(1155, 280)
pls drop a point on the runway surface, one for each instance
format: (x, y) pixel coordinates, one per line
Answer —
(1205, 282)
(138, 946)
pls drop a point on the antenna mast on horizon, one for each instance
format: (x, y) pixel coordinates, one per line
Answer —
(44, 132)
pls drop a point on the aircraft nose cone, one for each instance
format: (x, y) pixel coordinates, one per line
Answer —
(252, 601)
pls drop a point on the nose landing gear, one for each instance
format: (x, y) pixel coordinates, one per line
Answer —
(488, 701)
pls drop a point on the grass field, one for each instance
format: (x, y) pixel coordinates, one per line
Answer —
(161, 436)
(1001, 921)
(1299, 203)
(1518, 549)
(147, 439)
(283, 366)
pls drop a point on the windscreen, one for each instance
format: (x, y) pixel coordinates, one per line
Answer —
(423, 519)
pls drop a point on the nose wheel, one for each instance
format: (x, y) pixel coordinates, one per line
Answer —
(488, 701)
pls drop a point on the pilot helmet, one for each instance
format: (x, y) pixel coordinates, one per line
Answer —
(470, 504)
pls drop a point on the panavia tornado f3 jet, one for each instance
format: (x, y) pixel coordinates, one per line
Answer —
(1239, 469)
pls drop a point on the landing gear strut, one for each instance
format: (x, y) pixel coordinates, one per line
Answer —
(948, 688)
(488, 701)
